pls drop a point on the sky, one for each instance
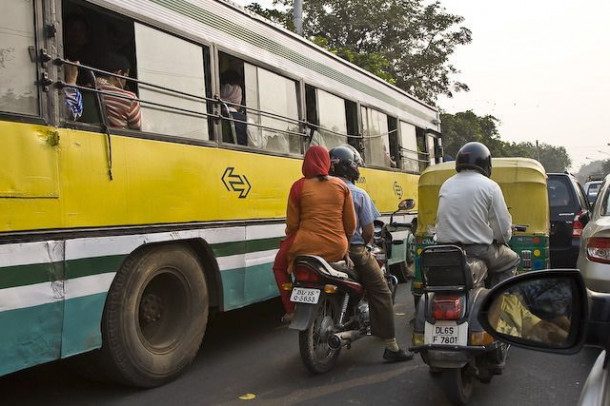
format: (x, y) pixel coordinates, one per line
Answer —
(541, 67)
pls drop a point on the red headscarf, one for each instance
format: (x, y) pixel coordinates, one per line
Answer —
(316, 162)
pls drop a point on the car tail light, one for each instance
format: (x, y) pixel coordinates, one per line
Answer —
(304, 274)
(447, 307)
(577, 226)
(598, 249)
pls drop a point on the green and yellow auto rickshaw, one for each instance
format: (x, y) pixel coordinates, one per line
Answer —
(523, 183)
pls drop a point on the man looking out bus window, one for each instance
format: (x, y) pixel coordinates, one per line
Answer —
(122, 106)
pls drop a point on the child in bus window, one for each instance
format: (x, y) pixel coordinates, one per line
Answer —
(122, 106)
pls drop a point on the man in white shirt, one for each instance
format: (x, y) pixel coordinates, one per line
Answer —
(473, 214)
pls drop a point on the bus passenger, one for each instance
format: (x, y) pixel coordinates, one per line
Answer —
(122, 106)
(73, 98)
(320, 218)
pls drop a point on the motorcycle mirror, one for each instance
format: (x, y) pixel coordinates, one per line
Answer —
(406, 204)
(538, 310)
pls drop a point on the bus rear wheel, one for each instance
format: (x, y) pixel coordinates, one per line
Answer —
(155, 316)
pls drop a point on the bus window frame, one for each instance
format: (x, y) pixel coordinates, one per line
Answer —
(300, 106)
(43, 117)
(363, 137)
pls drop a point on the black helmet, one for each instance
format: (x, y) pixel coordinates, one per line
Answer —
(474, 155)
(344, 162)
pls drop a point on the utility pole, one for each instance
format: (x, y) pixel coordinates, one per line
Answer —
(537, 151)
(297, 17)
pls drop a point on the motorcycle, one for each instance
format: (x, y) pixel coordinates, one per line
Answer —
(447, 333)
(331, 309)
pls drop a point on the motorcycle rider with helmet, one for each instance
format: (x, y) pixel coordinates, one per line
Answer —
(472, 213)
(345, 161)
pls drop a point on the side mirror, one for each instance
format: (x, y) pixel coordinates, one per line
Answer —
(406, 204)
(585, 217)
(538, 310)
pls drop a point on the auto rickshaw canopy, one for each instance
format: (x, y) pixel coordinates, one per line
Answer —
(523, 183)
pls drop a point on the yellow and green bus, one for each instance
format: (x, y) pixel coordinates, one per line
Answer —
(120, 242)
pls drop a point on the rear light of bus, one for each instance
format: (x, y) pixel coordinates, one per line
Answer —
(577, 226)
(304, 274)
(598, 249)
(447, 307)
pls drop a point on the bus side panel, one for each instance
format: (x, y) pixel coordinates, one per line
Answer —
(31, 304)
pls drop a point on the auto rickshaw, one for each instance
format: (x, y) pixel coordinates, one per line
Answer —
(523, 183)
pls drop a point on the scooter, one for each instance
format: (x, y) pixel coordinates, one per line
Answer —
(331, 309)
(447, 333)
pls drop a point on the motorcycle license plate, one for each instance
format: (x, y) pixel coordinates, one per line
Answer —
(305, 295)
(446, 333)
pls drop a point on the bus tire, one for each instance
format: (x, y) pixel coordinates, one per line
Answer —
(155, 316)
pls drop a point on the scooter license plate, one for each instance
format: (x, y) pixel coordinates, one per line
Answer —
(305, 295)
(446, 333)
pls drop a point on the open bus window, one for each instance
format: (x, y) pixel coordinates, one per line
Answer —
(18, 91)
(391, 157)
(422, 151)
(376, 138)
(408, 146)
(259, 107)
(113, 35)
(329, 113)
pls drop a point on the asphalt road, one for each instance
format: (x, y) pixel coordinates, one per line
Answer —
(247, 357)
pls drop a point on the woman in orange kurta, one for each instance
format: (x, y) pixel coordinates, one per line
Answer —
(320, 218)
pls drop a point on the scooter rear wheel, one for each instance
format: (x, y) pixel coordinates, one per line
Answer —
(316, 354)
(457, 384)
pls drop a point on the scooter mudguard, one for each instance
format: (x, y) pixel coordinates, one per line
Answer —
(304, 314)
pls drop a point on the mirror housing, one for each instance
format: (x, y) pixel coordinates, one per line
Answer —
(539, 310)
(406, 204)
(585, 217)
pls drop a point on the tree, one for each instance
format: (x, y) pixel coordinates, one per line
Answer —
(464, 127)
(406, 42)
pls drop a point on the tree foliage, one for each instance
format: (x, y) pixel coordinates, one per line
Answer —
(464, 127)
(406, 42)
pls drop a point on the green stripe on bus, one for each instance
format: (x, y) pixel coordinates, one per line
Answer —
(226, 249)
(22, 275)
(205, 17)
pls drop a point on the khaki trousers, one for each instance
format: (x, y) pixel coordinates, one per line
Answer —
(378, 294)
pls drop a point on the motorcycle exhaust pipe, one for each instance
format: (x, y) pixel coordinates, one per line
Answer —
(338, 340)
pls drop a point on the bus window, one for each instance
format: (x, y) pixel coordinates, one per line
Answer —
(376, 140)
(103, 40)
(332, 122)
(18, 91)
(171, 63)
(408, 147)
(431, 147)
(278, 98)
(422, 151)
(351, 115)
(392, 156)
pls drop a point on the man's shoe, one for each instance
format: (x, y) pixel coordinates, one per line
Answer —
(397, 356)
(287, 318)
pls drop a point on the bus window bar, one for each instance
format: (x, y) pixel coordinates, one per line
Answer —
(59, 61)
(105, 126)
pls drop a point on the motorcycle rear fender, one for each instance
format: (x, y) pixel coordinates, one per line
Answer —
(304, 314)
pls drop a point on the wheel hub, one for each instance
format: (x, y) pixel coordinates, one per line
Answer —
(151, 308)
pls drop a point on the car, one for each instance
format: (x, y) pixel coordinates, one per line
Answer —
(567, 203)
(591, 190)
(553, 311)
(594, 255)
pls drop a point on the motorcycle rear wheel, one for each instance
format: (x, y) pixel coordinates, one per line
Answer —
(316, 354)
(457, 384)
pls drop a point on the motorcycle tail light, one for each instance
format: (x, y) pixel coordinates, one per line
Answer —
(447, 307)
(286, 286)
(598, 249)
(304, 274)
(417, 339)
(330, 288)
(577, 225)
